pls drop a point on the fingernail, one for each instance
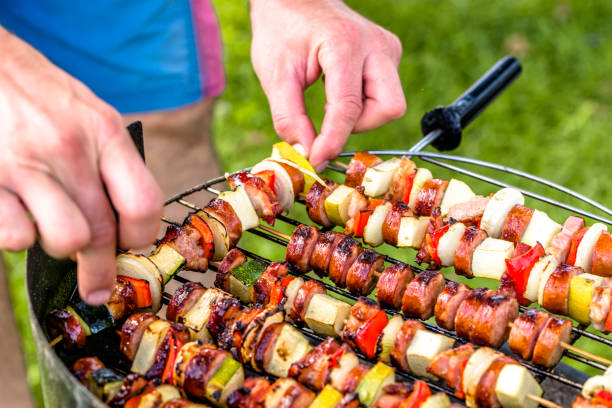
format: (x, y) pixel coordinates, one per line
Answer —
(98, 297)
(322, 166)
(300, 149)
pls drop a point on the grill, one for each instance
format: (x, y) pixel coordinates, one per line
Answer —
(443, 130)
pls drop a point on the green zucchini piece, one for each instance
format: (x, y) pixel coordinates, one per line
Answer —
(242, 278)
(98, 380)
(370, 387)
(84, 325)
(226, 379)
(167, 260)
(94, 318)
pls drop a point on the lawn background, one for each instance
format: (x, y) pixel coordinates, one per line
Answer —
(553, 122)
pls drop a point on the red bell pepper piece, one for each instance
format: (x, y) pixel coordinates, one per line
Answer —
(363, 216)
(278, 290)
(143, 292)
(609, 322)
(433, 240)
(208, 239)
(602, 397)
(134, 402)
(576, 240)
(269, 177)
(419, 394)
(333, 360)
(519, 267)
(520, 249)
(368, 334)
(408, 188)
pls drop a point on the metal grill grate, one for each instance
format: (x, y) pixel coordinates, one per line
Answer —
(434, 158)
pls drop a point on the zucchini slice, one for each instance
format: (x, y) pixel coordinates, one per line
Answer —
(227, 379)
(242, 278)
(93, 319)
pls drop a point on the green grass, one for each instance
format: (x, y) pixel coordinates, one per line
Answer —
(553, 122)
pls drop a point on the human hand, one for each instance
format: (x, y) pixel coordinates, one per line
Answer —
(295, 41)
(63, 150)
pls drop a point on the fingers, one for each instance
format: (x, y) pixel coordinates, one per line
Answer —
(17, 231)
(134, 192)
(343, 89)
(291, 123)
(383, 91)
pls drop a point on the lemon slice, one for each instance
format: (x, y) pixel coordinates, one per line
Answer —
(283, 150)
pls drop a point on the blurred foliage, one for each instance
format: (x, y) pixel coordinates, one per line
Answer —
(554, 121)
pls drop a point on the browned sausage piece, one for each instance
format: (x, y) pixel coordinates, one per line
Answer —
(516, 222)
(399, 182)
(265, 346)
(294, 396)
(343, 256)
(314, 368)
(360, 313)
(122, 301)
(315, 201)
(547, 351)
(358, 166)
(233, 259)
(62, 322)
(360, 278)
(602, 256)
(296, 176)
(200, 368)
(302, 299)
(492, 319)
(485, 390)
(466, 312)
(402, 341)
(223, 211)
(321, 255)
(469, 212)
(472, 237)
(448, 303)
(183, 300)
(449, 366)
(556, 289)
(392, 284)
(428, 246)
(263, 286)
(430, 196)
(421, 293)
(300, 247)
(264, 200)
(353, 378)
(84, 366)
(187, 241)
(390, 227)
(132, 331)
(525, 331)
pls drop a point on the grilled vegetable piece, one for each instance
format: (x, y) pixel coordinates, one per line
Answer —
(362, 312)
(303, 297)
(343, 256)
(456, 192)
(581, 292)
(221, 237)
(544, 267)
(101, 381)
(421, 176)
(223, 211)
(371, 386)
(373, 231)
(471, 239)
(264, 287)
(183, 300)
(584, 253)
(231, 260)
(387, 339)
(66, 324)
(447, 304)
(361, 276)
(391, 225)
(283, 151)
(262, 198)
(243, 277)
(449, 366)
(254, 331)
(476, 366)
(314, 368)
(421, 293)
(327, 398)
(560, 245)
(227, 379)
(430, 196)
(377, 178)
(423, 348)
(392, 284)
(133, 384)
(197, 317)
(497, 210)
(288, 393)
(555, 293)
(132, 331)
(448, 243)
(548, 349)
(540, 229)
(438, 400)
(357, 167)
(326, 315)
(485, 390)
(595, 384)
(488, 260)
(300, 247)
(412, 232)
(94, 319)
(283, 184)
(187, 241)
(321, 254)
(168, 261)
(140, 267)
(403, 340)
(525, 331)
(242, 206)
(513, 385)
(152, 339)
(337, 204)
(601, 264)
(315, 201)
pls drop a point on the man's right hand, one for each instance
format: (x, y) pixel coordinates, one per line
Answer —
(64, 158)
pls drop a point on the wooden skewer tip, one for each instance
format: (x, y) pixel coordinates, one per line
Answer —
(543, 401)
(56, 340)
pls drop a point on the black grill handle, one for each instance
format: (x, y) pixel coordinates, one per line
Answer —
(452, 119)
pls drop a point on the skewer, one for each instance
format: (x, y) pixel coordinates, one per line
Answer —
(543, 401)
(56, 340)
(341, 164)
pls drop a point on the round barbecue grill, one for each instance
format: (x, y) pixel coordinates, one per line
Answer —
(51, 283)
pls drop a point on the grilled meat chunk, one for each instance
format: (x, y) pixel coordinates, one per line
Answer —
(360, 313)
(516, 223)
(492, 320)
(265, 346)
(314, 368)
(263, 286)
(300, 247)
(428, 248)
(485, 390)
(449, 365)
(358, 166)
(315, 201)
(225, 325)
(224, 212)
(288, 393)
(187, 241)
(233, 259)
(448, 302)
(421, 293)
(264, 200)
(353, 378)
(548, 350)
(464, 319)
(361, 276)
(525, 331)
(602, 256)
(555, 295)
(131, 332)
(402, 341)
(392, 284)
(600, 306)
(430, 196)
(197, 369)
(183, 300)
(343, 256)
(391, 225)
(472, 237)
(561, 243)
(322, 252)
(122, 301)
(399, 181)
(469, 212)
(303, 297)
(84, 366)
(250, 395)
(394, 394)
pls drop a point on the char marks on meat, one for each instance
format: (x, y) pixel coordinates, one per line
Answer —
(300, 247)
(421, 293)
(448, 302)
(472, 237)
(392, 284)
(315, 201)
